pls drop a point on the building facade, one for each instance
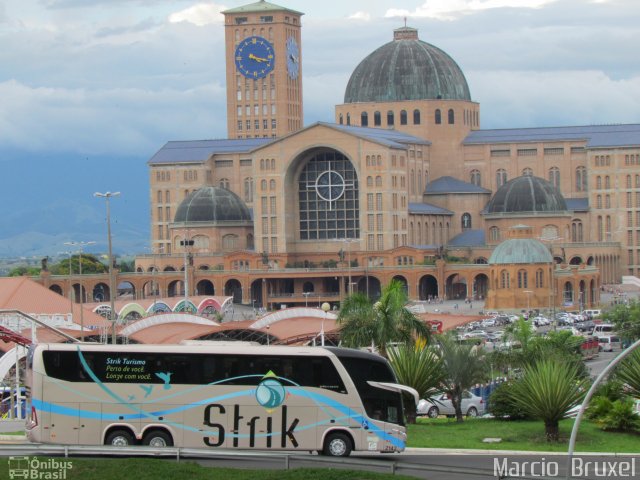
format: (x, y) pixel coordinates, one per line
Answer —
(405, 183)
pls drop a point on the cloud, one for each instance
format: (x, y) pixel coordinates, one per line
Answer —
(360, 16)
(452, 9)
(200, 14)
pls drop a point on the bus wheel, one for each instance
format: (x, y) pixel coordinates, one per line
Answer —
(337, 445)
(158, 439)
(120, 438)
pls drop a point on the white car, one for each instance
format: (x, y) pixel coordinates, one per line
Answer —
(488, 322)
(440, 404)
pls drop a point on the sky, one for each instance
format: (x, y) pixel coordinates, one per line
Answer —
(91, 89)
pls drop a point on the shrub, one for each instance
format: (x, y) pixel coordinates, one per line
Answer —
(598, 407)
(621, 417)
(502, 405)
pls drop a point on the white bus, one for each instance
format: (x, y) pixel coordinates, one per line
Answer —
(330, 400)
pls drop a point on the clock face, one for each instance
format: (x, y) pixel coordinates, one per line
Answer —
(330, 185)
(293, 58)
(254, 57)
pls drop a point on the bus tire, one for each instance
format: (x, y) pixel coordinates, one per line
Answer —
(120, 438)
(158, 439)
(337, 445)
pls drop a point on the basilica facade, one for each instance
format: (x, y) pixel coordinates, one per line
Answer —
(404, 185)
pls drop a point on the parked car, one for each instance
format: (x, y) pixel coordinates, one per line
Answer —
(488, 322)
(603, 329)
(608, 343)
(586, 326)
(440, 404)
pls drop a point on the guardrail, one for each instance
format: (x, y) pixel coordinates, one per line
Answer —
(289, 460)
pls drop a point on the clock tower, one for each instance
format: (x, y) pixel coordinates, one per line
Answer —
(264, 70)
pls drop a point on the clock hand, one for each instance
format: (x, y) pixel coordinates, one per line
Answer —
(257, 59)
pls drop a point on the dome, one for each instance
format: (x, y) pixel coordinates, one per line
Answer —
(520, 250)
(212, 205)
(406, 69)
(527, 194)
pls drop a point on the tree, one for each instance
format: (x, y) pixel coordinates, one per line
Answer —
(388, 320)
(90, 264)
(628, 371)
(24, 270)
(419, 367)
(626, 319)
(463, 366)
(547, 391)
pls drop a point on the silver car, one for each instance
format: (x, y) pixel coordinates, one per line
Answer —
(472, 405)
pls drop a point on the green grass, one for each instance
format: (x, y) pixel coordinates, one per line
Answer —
(155, 469)
(21, 432)
(516, 435)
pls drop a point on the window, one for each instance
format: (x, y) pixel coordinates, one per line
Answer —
(403, 117)
(527, 172)
(451, 116)
(581, 179)
(377, 119)
(501, 152)
(224, 183)
(598, 182)
(348, 119)
(364, 119)
(522, 279)
(438, 117)
(504, 279)
(554, 176)
(476, 178)
(369, 181)
(390, 118)
(607, 182)
(416, 117)
(554, 151)
(248, 189)
(501, 177)
(539, 278)
(494, 234)
(466, 221)
(527, 152)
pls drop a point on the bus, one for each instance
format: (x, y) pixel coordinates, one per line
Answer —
(325, 399)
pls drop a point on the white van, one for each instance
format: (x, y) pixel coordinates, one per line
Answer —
(592, 313)
(603, 329)
(609, 343)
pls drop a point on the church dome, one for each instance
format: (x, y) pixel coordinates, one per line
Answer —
(406, 69)
(527, 194)
(212, 205)
(520, 250)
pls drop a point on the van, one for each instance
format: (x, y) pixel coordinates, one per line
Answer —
(609, 343)
(603, 328)
(592, 313)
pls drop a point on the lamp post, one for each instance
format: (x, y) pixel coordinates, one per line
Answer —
(186, 243)
(349, 241)
(112, 315)
(325, 308)
(80, 246)
(528, 293)
(306, 298)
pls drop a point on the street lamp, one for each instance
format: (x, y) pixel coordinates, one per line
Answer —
(186, 243)
(306, 298)
(349, 241)
(528, 293)
(80, 246)
(112, 316)
(325, 308)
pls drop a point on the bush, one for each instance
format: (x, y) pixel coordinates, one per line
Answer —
(621, 417)
(599, 406)
(502, 405)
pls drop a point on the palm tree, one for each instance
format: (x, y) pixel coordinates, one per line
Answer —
(419, 367)
(547, 391)
(629, 372)
(386, 321)
(464, 365)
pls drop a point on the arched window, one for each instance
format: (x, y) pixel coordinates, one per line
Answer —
(501, 177)
(263, 185)
(504, 279)
(364, 119)
(224, 183)
(416, 117)
(230, 242)
(369, 181)
(390, 118)
(348, 119)
(403, 117)
(599, 201)
(377, 119)
(628, 181)
(340, 120)
(598, 182)
(527, 172)
(159, 196)
(554, 176)
(272, 185)
(637, 181)
(607, 182)
(523, 281)
(581, 179)
(494, 234)
(413, 182)
(451, 117)
(438, 118)
(476, 178)
(466, 221)
(248, 189)
(378, 181)
(539, 278)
